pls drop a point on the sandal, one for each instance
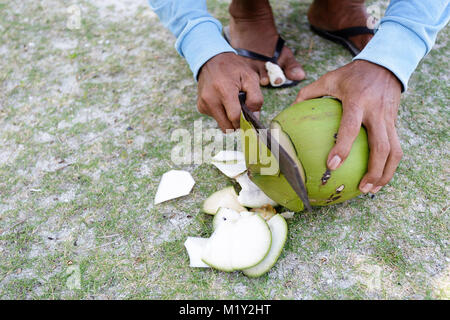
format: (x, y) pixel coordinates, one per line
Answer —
(342, 36)
(254, 55)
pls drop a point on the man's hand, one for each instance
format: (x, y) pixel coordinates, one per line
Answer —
(370, 95)
(219, 82)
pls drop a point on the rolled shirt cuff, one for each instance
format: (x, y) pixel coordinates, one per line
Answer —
(201, 40)
(396, 48)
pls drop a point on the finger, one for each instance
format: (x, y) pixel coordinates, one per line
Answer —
(379, 151)
(318, 88)
(348, 131)
(216, 111)
(232, 106)
(254, 99)
(202, 107)
(222, 119)
(292, 69)
(393, 160)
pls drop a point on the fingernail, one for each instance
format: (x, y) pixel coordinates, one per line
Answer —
(376, 189)
(366, 188)
(334, 162)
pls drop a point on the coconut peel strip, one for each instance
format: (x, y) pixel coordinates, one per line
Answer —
(230, 163)
(225, 198)
(174, 184)
(279, 230)
(194, 247)
(251, 195)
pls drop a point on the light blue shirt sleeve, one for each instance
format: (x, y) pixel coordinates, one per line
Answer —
(199, 35)
(405, 35)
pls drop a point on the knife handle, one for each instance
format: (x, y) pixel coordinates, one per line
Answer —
(242, 97)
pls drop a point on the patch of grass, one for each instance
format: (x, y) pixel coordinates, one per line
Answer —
(86, 121)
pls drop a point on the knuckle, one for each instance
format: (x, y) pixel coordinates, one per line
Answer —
(201, 109)
(343, 152)
(384, 181)
(200, 106)
(234, 116)
(217, 87)
(235, 113)
(353, 123)
(255, 103)
(203, 98)
(397, 154)
(381, 148)
(373, 177)
(352, 105)
(253, 77)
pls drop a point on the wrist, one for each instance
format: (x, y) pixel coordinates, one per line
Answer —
(385, 73)
(218, 58)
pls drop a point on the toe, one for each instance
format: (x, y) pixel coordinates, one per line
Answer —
(263, 76)
(292, 69)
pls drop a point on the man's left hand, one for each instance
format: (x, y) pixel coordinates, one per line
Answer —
(370, 95)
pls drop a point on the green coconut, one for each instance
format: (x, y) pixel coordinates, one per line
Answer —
(308, 131)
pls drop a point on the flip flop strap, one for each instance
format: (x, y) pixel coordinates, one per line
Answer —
(257, 56)
(352, 31)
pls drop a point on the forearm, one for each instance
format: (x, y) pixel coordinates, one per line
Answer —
(406, 34)
(199, 35)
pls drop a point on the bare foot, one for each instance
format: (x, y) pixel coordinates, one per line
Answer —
(252, 27)
(335, 15)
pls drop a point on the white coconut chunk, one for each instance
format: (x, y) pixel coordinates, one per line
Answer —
(251, 195)
(254, 199)
(288, 214)
(238, 244)
(225, 198)
(230, 163)
(246, 184)
(275, 72)
(225, 215)
(174, 184)
(279, 230)
(229, 155)
(194, 247)
(230, 169)
(217, 252)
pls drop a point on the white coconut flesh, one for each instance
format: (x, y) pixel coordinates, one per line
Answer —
(279, 231)
(174, 184)
(238, 244)
(194, 247)
(229, 156)
(225, 198)
(251, 195)
(230, 163)
(224, 215)
(275, 73)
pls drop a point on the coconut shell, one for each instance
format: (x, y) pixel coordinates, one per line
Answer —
(312, 127)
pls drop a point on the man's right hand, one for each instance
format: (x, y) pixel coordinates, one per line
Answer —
(219, 82)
